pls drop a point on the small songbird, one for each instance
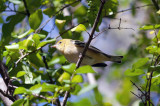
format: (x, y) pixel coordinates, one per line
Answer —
(95, 57)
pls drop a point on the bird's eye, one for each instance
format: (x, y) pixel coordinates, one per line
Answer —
(60, 42)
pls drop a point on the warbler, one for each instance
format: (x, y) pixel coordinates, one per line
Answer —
(94, 57)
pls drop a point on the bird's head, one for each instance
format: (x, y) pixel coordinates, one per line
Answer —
(60, 45)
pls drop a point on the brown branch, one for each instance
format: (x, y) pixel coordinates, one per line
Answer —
(23, 56)
(25, 5)
(81, 56)
(7, 95)
(43, 97)
(155, 4)
(109, 27)
(46, 65)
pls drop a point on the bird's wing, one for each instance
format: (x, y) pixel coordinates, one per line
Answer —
(82, 44)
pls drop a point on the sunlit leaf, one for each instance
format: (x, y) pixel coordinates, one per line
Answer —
(60, 23)
(20, 90)
(55, 60)
(79, 28)
(21, 73)
(12, 47)
(85, 69)
(48, 87)
(36, 89)
(149, 27)
(16, 1)
(46, 42)
(18, 102)
(141, 62)
(24, 34)
(77, 79)
(134, 72)
(64, 76)
(69, 68)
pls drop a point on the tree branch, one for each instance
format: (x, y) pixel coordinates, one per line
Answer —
(155, 4)
(25, 5)
(46, 65)
(81, 56)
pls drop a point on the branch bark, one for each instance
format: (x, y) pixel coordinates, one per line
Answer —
(155, 4)
(25, 5)
(81, 56)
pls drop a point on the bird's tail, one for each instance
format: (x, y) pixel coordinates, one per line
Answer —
(117, 59)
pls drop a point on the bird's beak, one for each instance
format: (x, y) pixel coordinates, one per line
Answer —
(54, 46)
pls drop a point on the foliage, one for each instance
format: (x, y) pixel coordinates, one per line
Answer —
(42, 75)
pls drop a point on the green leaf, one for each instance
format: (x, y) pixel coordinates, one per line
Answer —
(85, 69)
(76, 89)
(20, 90)
(18, 102)
(26, 103)
(8, 27)
(134, 72)
(49, 11)
(64, 76)
(60, 23)
(12, 47)
(69, 68)
(21, 73)
(46, 42)
(79, 28)
(155, 68)
(28, 76)
(37, 79)
(16, 1)
(87, 88)
(42, 36)
(48, 87)
(77, 79)
(149, 27)
(35, 19)
(141, 62)
(24, 34)
(55, 60)
(152, 49)
(36, 60)
(36, 89)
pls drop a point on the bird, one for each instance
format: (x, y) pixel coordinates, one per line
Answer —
(71, 49)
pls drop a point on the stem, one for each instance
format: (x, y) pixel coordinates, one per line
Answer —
(155, 4)
(25, 5)
(81, 56)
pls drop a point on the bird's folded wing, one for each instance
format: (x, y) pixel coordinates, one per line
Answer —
(82, 44)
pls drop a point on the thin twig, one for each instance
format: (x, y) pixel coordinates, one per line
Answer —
(109, 27)
(25, 5)
(137, 87)
(46, 65)
(27, 55)
(81, 56)
(45, 23)
(121, 11)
